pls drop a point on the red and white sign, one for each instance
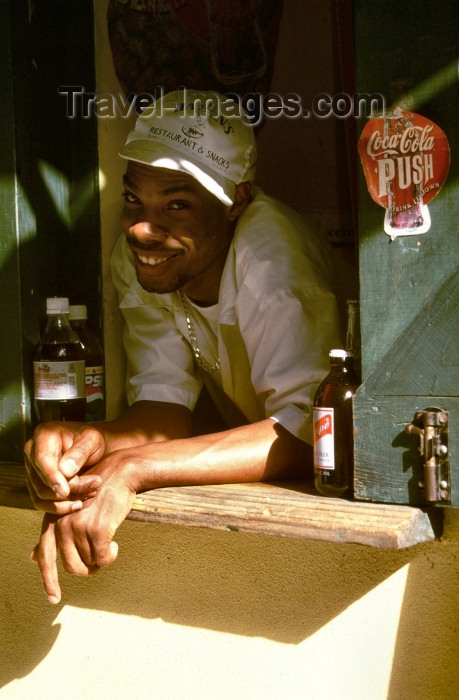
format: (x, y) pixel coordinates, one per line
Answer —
(324, 441)
(405, 158)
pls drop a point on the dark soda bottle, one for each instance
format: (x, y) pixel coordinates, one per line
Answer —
(333, 426)
(58, 368)
(94, 362)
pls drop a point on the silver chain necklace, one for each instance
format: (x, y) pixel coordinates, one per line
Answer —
(194, 341)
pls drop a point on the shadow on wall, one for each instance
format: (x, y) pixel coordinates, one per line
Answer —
(225, 582)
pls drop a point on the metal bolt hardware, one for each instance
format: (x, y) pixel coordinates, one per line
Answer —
(431, 426)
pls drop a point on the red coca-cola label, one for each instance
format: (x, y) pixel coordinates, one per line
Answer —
(405, 158)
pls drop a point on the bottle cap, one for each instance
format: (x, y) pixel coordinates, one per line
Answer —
(78, 312)
(57, 305)
(338, 352)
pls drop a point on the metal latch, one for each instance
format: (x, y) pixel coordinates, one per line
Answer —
(432, 427)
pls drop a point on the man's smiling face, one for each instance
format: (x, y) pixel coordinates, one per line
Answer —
(178, 232)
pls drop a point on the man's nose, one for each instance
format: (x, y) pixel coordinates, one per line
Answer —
(146, 230)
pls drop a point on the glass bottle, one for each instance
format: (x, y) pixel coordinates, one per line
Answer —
(333, 426)
(94, 359)
(59, 368)
(353, 338)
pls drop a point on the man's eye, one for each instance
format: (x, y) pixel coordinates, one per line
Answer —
(130, 198)
(177, 206)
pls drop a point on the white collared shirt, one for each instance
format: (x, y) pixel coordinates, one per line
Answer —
(278, 319)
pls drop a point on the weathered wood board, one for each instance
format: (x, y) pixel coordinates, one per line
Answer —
(280, 509)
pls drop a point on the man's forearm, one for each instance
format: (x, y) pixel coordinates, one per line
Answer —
(146, 422)
(261, 451)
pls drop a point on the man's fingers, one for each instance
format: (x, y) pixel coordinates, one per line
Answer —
(82, 486)
(107, 555)
(46, 468)
(85, 449)
(45, 500)
(58, 452)
(57, 507)
(76, 560)
(85, 485)
(85, 539)
(45, 555)
(48, 504)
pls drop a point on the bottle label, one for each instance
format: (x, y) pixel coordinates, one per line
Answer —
(59, 380)
(94, 383)
(324, 444)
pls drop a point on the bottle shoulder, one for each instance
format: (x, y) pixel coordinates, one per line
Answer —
(90, 342)
(341, 376)
(58, 330)
(336, 388)
(58, 352)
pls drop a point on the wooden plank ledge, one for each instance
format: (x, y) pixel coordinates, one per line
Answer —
(281, 509)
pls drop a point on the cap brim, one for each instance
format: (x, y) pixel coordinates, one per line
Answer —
(162, 157)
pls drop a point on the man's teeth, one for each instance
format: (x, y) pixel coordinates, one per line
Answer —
(152, 261)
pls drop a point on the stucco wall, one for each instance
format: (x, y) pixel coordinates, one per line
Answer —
(190, 613)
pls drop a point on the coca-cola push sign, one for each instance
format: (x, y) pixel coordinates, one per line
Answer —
(405, 158)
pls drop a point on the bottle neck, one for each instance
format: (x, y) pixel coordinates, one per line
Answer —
(78, 322)
(344, 368)
(59, 330)
(344, 363)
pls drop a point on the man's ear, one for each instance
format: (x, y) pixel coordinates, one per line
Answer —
(241, 199)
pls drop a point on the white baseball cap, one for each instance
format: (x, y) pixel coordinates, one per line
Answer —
(203, 134)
